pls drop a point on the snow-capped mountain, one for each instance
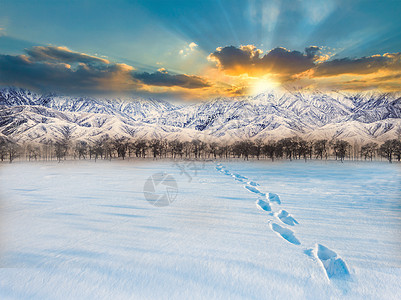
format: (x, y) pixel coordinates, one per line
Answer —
(27, 116)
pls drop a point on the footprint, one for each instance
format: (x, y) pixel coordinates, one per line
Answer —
(274, 198)
(334, 266)
(263, 205)
(252, 183)
(286, 218)
(285, 233)
(227, 172)
(254, 190)
(220, 169)
(238, 179)
(238, 176)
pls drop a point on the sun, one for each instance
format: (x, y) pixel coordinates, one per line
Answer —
(261, 85)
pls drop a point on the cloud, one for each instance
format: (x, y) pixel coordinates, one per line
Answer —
(60, 69)
(249, 60)
(313, 67)
(192, 46)
(188, 49)
(50, 68)
(280, 61)
(237, 71)
(163, 78)
(53, 53)
(364, 65)
(312, 51)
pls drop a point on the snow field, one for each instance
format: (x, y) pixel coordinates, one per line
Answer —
(238, 230)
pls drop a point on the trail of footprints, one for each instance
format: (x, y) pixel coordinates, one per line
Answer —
(333, 265)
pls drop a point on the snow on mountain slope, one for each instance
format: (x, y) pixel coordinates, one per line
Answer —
(12, 96)
(359, 132)
(365, 117)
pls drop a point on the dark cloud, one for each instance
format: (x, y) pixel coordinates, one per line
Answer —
(230, 57)
(393, 78)
(249, 59)
(21, 70)
(63, 54)
(237, 90)
(163, 78)
(363, 65)
(312, 51)
(60, 69)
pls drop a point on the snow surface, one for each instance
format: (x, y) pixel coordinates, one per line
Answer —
(83, 230)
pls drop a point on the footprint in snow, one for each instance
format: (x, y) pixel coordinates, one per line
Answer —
(274, 198)
(334, 266)
(238, 179)
(238, 176)
(254, 190)
(286, 218)
(285, 233)
(263, 205)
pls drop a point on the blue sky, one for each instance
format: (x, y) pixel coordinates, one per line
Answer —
(150, 34)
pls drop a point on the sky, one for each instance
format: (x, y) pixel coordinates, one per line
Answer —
(200, 49)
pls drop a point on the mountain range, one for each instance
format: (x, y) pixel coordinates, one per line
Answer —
(361, 118)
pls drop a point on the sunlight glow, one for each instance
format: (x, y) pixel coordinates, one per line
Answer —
(262, 85)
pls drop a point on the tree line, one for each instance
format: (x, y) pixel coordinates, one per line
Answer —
(105, 147)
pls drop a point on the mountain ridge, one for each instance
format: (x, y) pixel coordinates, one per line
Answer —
(362, 117)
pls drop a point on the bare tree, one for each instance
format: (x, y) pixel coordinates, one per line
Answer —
(341, 148)
(369, 150)
(188, 149)
(397, 149)
(97, 149)
(32, 151)
(3, 148)
(63, 143)
(141, 147)
(13, 150)
(121, 146)
(269, 149)
(390, 148)
(320, 148)
(196, 147)
(60, 149)
(289, 146)
(258, 145)
(303, 149)
(213, 148)
(155, 146)
(81, 149)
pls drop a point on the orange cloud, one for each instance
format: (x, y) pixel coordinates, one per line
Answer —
(249, 60)
(313, 68)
